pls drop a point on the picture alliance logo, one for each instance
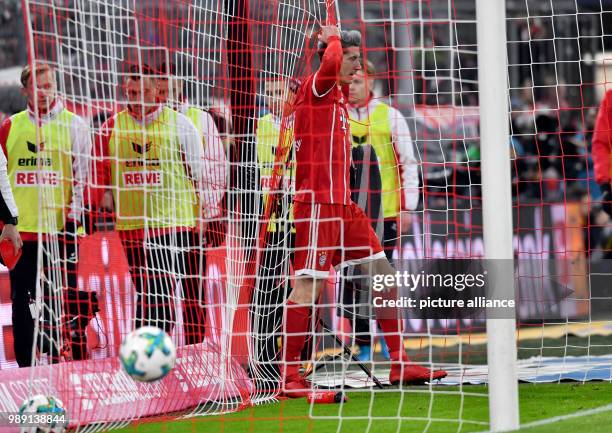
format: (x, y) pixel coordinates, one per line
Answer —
(423, 280)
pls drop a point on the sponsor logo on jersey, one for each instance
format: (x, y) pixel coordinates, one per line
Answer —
(37, 178)
(360, 140)
(34, 161)
(140, 148)
(265, 182)
(285, 183)
(35, 148)
(142, 163)
(135, 179)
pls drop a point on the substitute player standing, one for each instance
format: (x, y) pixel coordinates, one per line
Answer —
(384, 128)
(153, 170)
(47, 147)
(354, 296)
(171, 91)
(331, 230)
(270, 292)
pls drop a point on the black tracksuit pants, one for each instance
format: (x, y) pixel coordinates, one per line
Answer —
(156, 263)
(23, 289)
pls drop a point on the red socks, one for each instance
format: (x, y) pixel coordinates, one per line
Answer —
(296, 330)
(393, 337)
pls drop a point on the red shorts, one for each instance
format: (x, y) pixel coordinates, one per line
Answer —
(329, 235)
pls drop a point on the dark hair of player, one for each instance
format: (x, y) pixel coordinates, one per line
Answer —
(348, 38)
(140, 70)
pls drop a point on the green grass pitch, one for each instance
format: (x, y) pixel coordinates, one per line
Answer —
(444, 411)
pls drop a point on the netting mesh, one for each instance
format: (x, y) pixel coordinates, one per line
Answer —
(216, 278)
(205, 55)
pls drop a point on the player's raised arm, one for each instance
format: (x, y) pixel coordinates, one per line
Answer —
(331, 62)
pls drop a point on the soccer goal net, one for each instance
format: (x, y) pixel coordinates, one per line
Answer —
(155, 175)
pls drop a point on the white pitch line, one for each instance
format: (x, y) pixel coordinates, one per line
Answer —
(606, 408)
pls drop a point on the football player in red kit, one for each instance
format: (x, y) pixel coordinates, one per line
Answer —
(602, 152)
(331, 230)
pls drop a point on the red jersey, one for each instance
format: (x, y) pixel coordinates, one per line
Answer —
(322, 141)
(602, 141)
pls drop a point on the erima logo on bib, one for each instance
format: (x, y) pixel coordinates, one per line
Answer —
(135, 179)
(34, 178)
(139, 148)
(360, 140)
(34, 148)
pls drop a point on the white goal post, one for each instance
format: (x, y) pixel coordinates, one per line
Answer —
(497, 208)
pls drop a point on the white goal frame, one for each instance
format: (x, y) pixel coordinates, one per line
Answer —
(497, 207)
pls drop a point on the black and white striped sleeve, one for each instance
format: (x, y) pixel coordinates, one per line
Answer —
(8, 207)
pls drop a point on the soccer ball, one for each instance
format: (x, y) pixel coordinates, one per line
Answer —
(147, 354)
(43, 414)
